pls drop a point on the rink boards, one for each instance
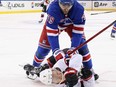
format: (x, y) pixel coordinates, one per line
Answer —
(28, 6)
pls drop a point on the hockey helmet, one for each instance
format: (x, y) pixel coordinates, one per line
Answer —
(46, 76)
(67, 2)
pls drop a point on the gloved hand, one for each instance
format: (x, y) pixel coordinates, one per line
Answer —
(71, 77)
(86, 74)
(58, 54)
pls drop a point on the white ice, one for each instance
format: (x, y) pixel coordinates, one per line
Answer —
(19, 35)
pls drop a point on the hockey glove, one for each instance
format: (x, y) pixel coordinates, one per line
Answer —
(58, 54)
(86, 74)
(71, 77)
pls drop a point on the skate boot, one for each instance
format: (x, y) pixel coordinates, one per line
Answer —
(30, 71)
(96, 77)
(34, 72)
(112, 35)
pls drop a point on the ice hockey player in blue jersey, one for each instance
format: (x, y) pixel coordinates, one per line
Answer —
(67, 16)
(113, 32)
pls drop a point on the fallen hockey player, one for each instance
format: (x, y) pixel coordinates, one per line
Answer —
(65, 72)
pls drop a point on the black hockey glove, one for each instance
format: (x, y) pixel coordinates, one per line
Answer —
(71, 77)
(86, 74)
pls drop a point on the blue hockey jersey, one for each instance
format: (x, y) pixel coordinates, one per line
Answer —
(56, 18)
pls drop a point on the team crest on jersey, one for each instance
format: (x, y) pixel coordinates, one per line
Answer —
(66, 21)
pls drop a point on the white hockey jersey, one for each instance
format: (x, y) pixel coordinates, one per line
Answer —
(76, 63)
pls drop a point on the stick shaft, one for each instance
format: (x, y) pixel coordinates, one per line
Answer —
(92, 37)
(103, 12)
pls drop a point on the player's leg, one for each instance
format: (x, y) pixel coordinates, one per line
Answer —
(87, 78)
(87, 61)
(113, 31)
(84, 51)
(41, 52)
(43, 48)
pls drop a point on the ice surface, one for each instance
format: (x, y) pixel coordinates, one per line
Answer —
(19, 35)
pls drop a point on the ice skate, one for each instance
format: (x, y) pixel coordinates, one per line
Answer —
(96, 77)
(112, 35)
(30, 71)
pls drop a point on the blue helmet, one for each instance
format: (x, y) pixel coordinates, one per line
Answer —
(66, 2)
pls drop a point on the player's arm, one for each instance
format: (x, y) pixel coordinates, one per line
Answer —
(78, 27)
(53, 34)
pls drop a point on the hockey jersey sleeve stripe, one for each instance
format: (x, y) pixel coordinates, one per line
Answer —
(79, 32)
(78, 29)
(52, 32)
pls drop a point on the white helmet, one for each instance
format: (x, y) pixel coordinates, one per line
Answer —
(46, 76)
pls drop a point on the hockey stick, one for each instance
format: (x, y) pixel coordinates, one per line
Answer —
(78, 47)
(103, 12)
(91, 38)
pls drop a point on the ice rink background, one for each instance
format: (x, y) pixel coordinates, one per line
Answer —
(19, 35)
